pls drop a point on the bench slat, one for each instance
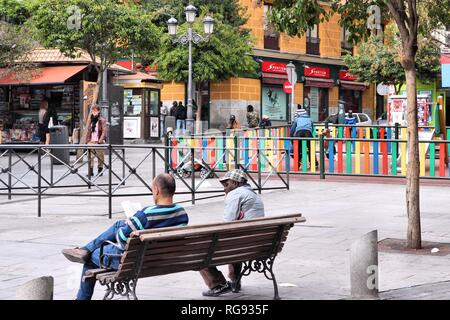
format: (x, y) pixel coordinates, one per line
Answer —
(231, 226)
(189, 249)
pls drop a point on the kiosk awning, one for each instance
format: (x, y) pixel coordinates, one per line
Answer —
(41, 75)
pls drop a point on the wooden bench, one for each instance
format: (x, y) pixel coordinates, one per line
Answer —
(154, 252)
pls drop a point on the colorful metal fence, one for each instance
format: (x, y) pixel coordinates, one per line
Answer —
(365, 151)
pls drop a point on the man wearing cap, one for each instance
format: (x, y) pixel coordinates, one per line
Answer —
(241, 203)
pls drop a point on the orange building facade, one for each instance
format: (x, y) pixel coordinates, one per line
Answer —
(321, 77)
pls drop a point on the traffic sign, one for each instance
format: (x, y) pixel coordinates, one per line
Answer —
(287, 87)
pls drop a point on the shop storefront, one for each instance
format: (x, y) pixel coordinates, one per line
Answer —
(20, 102)
(317, 83)
(274, 101)
(142, 95)
(350, 91)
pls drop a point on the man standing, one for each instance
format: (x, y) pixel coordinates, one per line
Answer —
(302, 127)
(241, 203)
(181, 115)
(97, 132)
(163, 214)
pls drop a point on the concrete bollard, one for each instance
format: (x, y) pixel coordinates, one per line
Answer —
(364, 267)
(36, 289)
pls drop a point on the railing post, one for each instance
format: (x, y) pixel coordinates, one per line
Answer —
(9, 174)
(39, 181)
(166, 154)
(90, 160)
(236, 152)
(322, 157)
(259, 170)
(110, 181)
(193, 176)
(288, 167)
(51, 171)
(153, 163)
(123, 165)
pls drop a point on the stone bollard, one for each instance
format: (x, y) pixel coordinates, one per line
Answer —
(36, 289)
(364, 267)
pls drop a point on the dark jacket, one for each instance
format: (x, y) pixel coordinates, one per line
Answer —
(102, 128)
(181, 112)
(302, 122)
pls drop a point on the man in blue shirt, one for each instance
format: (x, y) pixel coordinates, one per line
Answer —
(163, 214)
(302, 126)
(350, 118)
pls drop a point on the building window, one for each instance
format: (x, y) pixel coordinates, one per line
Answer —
(313, 41)
(346, 46)
(271, 36)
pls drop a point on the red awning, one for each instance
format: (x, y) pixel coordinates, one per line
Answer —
(318, 82)
(43, 75)
(274, 78)
(353, 85)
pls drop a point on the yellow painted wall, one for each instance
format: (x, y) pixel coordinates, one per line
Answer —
(236, 89)
(172, 91)
(255, 21)
(330, 37)
(292, 44)
(368, 101)
(333, 97)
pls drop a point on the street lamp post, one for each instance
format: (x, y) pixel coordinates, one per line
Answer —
(189, 38)
(292, 78)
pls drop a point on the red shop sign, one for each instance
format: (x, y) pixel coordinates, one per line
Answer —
(317, 72)
(345, 75)
(274, 67)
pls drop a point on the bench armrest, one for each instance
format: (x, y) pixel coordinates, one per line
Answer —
(102, 255)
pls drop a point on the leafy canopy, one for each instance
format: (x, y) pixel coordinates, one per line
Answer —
(108, 30)
(227, 52)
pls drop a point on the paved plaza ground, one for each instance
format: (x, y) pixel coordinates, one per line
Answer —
(314, 263)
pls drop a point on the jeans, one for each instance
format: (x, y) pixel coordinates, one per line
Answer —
(87, 287)
(181, 124)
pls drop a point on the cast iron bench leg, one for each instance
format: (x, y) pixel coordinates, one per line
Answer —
(122, 288)
(261, 266)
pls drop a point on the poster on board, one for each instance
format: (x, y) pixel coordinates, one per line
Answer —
(274, 103)
(131, 127)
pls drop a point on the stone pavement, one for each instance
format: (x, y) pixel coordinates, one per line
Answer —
(314, 263)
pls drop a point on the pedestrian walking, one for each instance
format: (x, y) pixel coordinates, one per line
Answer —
(97, 133)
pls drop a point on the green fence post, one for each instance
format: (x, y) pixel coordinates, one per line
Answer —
(322, 157)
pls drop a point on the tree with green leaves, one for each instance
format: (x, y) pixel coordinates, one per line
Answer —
(15, 42)
(296, 16)
(106, 29)
(378, 61)
(226, 54)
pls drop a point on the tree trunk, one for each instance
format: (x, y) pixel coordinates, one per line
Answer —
(413, 169)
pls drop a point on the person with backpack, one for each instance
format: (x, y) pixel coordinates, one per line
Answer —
(302, 127)
(252, 117)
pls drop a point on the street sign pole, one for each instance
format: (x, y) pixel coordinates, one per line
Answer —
(292, 78)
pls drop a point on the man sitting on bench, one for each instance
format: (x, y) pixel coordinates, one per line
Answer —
(163, 214)
(241, 203)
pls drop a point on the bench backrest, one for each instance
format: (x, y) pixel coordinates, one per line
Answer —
(176, 249)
